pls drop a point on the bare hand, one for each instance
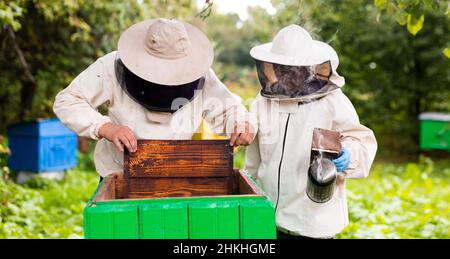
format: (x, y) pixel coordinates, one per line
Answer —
(119, 135)
(243, 134)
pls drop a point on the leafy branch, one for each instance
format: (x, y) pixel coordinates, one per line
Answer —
(19, 53)
(411, 13)
(206, 10)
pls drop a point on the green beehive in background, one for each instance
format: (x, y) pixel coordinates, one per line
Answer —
(179, 189)
(434, 131)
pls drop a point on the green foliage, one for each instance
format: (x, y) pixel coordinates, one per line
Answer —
(401, 201)
(45, 44)
(411, 12)
(56, 41)
(414, 24)
(10, 12)
(409, 200)
(231, 44)
(446, 52)
(391, 76)
(4, 153)
(45, 208)
(206, 10)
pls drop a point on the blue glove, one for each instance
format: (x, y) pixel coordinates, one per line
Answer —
(343, 160)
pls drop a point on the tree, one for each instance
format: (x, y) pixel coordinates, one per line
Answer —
(44, 44)
(391, 75)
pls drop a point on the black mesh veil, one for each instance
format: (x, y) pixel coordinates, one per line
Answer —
(294, 82)
(156, 97)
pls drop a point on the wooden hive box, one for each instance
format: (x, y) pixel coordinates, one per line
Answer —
(179, 189)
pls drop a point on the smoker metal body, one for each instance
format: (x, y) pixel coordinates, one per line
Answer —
(322, 172)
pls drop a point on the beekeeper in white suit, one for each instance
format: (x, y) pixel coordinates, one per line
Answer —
(158, 85)
(301, 90)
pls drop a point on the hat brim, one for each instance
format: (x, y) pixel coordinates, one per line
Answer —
(165, 71)
(319, 53)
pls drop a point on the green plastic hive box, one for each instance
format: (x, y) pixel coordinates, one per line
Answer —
(179, 190)
(434, 131)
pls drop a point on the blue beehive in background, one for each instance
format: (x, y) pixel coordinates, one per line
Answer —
(42, 146)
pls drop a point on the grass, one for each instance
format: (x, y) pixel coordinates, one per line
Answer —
(397, 200)
(410, 200)
(44, 208)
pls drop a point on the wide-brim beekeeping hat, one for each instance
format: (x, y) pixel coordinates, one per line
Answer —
(166, 51)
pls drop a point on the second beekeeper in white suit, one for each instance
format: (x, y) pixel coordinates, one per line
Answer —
(301, 91)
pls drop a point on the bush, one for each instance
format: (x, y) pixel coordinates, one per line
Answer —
(401, 201)
(43, 208)
(4, 153)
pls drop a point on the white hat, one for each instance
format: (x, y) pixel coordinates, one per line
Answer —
(294, 46)
(166, 51)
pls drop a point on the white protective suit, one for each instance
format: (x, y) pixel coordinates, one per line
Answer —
(279, 158)
(76, 107)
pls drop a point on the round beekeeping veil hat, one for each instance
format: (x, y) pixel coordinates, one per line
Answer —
(294, 46)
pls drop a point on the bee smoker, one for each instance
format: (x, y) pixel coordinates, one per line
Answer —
(322, 171)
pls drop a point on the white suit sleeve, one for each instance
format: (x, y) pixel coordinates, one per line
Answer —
(252, 153)
(359, 139)
(76, 106)
(221, 108)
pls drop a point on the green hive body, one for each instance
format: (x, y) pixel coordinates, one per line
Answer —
(178, 189)
(435, 131)
(227, 217)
